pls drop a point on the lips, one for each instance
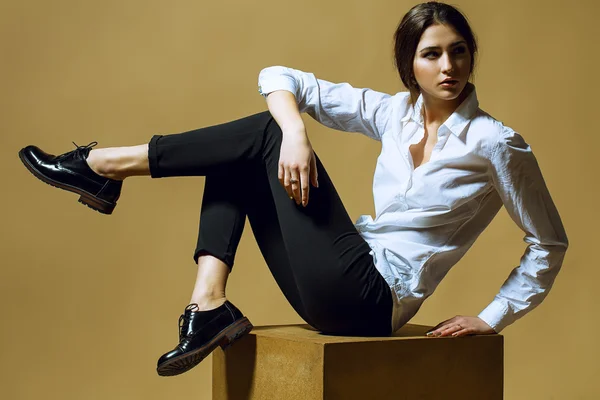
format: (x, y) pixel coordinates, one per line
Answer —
(450, 81)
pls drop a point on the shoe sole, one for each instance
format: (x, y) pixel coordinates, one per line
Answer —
(187, 361)
(86, 198)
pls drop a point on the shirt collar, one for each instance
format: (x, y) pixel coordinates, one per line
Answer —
(458, 119)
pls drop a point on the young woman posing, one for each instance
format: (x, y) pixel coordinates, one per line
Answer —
(445, 169)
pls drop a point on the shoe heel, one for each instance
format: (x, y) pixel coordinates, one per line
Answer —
(95, 205)
(233, 333)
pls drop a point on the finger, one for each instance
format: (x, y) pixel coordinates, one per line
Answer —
(438, 326)
(304, 185)
(446, 322)
(290, 184)
(463, 332)
(295, 184)
(442, 330)
(437, 331)
(286, 183)
(450, 330)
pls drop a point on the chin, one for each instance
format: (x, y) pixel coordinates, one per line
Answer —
(450, 94)
(445, 94)
(440, 93)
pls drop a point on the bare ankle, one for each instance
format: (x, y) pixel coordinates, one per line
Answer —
(99, 161)
(120, 162)
(208, 303)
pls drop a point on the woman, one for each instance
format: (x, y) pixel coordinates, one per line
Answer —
(445, 169)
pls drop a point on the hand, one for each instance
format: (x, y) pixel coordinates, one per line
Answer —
(461, 326)
(297, 161)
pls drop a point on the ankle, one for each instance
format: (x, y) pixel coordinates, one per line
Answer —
(100, 162)
(206, 303)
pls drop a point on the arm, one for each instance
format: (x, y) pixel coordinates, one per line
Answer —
(282, 106)
(519, 182)
(296, 159)
(335, 105)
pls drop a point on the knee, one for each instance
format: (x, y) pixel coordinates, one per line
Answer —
(272, 128)
(272, 135)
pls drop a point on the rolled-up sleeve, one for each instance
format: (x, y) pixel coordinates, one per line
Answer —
(518, 180)
(336, 105)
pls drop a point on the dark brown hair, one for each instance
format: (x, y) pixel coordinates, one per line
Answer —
(410, 30)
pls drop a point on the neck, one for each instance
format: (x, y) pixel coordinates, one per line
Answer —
(436, 111)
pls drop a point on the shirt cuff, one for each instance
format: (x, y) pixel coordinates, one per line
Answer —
(276, 82)
(496, 316)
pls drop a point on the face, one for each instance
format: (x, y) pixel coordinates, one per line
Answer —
(450, 58)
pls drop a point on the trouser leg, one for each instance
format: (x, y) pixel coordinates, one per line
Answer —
(229, 195)
(317, 257)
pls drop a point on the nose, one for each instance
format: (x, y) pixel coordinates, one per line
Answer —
(447, 63)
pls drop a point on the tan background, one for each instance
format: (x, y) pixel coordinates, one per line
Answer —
(88, 302)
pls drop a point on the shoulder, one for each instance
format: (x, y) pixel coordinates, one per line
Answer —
(495, 134)
(399, 105)
(383, 107)
(401, 101)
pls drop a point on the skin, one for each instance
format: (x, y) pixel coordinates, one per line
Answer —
(297, 167)
(431, 67)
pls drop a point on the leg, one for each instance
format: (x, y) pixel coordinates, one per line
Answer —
(97, 175)
(119, 162)
(315, 253)
(224, 209)
(317, 257)
(200, 152)
(341, 290)
(211, 279)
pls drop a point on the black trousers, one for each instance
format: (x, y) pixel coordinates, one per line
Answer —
(316, 255)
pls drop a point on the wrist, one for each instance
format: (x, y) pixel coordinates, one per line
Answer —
(295, 133)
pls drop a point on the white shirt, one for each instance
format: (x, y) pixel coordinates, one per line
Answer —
(427, 218)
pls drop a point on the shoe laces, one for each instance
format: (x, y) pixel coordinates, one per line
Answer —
(79, 151)
(184, 319)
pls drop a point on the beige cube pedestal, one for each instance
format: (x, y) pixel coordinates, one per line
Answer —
(295, 362)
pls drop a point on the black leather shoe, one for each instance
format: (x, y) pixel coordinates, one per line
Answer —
(200, 332)
(70, 171)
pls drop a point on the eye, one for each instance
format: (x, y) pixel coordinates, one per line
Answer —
(458, 50)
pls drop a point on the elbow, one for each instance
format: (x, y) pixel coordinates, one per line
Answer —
(272, 69)
(563, 239)
(555, 244)
(559, 245)
(560, 241)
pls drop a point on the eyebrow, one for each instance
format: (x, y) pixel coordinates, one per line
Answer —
(437, 47)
